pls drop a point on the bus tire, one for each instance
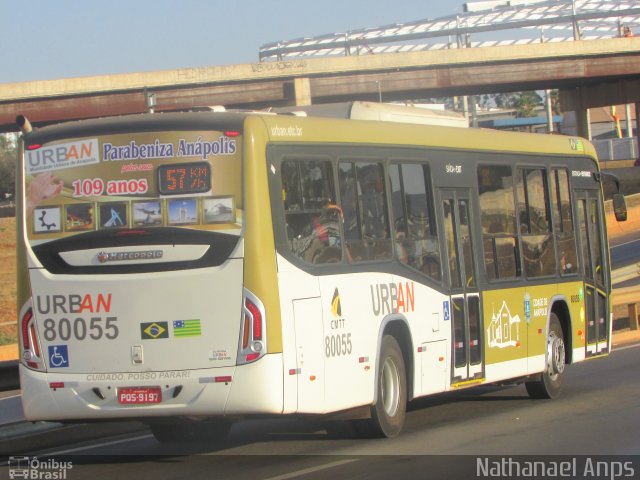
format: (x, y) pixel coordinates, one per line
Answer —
(550, 383)
(389, 411)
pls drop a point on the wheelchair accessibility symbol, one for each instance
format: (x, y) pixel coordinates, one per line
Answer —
(58, 356)
(446, 310)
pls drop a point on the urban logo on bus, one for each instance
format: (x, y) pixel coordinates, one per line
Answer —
(55, 304)
(388, 298)
(62, 155)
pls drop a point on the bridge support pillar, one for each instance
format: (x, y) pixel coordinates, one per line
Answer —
(583, 120)
(633, 316)
(302, 91)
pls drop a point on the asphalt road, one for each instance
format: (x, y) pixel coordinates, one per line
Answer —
(625, 252)
(11, 407)
(445, 436)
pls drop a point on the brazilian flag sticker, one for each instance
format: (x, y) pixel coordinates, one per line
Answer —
(154, 330)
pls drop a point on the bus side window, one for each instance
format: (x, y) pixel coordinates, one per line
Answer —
(364, 206)
(291, 194)
(498, 220)
(563, 221)
(312, 219)
(416, 240)
(538, 250)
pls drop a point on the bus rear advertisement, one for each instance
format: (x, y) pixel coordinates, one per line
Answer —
(190, 269)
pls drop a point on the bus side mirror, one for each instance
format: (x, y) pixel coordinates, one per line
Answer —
(619, 207)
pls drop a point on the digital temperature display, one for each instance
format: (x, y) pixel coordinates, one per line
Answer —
(184, 178)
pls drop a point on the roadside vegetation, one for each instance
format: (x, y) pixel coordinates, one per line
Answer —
(8, 313)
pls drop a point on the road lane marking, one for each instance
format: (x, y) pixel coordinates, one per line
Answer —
(619, 245)
(12, 396)
(619, 349)
(98, 445)
(299, 473)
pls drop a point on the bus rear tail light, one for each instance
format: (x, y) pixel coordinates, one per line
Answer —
(31, 352)
(253, 332)
(256, 316)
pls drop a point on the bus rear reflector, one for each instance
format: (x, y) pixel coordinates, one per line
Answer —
(252, 356)
(124, 233)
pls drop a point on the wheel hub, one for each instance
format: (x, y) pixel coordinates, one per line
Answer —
(556, 355)
(390, 387)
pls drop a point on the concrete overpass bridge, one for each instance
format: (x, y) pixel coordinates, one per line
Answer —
(588, 73)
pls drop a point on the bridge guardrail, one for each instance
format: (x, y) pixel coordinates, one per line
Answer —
(616, 148)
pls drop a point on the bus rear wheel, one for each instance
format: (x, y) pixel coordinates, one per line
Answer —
(389, 411)
(550, 383)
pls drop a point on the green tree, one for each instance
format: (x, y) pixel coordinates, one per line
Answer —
(505, 100)
(555, 102)
(527, 103)
(7, 168)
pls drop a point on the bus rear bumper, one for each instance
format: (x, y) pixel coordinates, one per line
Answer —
(255, 388)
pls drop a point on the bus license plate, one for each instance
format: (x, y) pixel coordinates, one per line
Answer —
(139, 395)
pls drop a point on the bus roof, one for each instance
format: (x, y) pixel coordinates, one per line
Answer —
(300, 129)
(287, 128)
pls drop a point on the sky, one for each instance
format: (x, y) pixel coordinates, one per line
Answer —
(51, 39)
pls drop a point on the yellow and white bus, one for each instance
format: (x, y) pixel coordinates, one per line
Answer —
(210, 266)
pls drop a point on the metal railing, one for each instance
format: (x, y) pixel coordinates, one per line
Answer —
(616, 149)
(583, 19)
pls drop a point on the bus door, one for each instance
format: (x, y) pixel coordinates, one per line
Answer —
(590, 222)
(464, 308)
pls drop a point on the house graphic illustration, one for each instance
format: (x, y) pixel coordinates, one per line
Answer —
(504, 329)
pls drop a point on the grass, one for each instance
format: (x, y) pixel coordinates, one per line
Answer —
(8, 309)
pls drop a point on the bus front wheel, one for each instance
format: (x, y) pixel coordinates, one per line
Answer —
(389, 411)
(550, 383)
